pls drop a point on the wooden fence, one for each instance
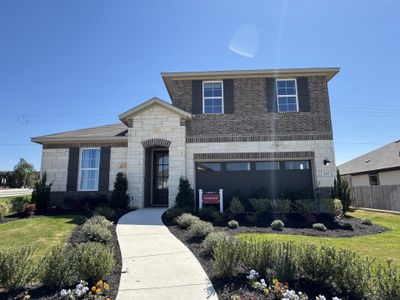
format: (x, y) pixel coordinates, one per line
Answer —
(385, 197)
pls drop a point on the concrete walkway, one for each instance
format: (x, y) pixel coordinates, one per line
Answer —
(14, 192)
(155, 264)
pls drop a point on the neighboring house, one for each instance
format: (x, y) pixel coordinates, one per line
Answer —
(378, 167)
(242, 131)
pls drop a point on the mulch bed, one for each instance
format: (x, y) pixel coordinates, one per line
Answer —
(43, 293)
(238, 285)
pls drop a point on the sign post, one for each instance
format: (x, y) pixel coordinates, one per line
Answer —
(211, 198)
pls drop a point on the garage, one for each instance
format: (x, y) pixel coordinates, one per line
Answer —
(273, 179)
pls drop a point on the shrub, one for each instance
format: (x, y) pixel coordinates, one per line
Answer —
(210, 214)
(319, 227)
(105, 211)
(226, 257)
(99, 220)
(387, 282)
(236, 207)
(232, 224)
(367, 222)
(212, 239)
(307, 208)
(185, 197)
(200, 229)
(347, 226)
(19, 204)
(4, 208)
(17, 268)
(285, 261)
(277, 225)
(41, 194)
(185, 220)
(93, 261)
(337, 208)
(96, 233)
(120, 197)
(341, 190)
(58, 269)
(173, 213)
(256, 255)
(252, 218)
(281, 206)
(260, 205)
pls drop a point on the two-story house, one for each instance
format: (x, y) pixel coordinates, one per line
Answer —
(242, 131)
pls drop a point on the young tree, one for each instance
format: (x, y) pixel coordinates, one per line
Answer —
(185, 197)
(341, 191)
(120, 197)
(41, 194)
(24, 173)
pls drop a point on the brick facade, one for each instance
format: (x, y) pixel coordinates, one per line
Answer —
(251, 116)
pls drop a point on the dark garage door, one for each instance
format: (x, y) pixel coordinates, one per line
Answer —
(276, 179)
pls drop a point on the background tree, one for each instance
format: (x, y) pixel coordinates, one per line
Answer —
(341, 191)
(185, 197)
(24, 174)
(41, 194)
(120, 197)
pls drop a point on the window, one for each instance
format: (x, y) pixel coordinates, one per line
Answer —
(89, 169)
(239, 166)
(287, 95)
(297, 165)
(267, 165)
(212, 97)
(373, 179)
(209, 167)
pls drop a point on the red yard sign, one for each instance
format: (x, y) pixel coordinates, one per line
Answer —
(210, 198)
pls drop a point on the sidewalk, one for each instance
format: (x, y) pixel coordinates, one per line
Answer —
(155, 264)
(14, 192)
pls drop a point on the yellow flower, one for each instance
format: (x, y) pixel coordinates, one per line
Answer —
(93, 289)
(106, 286)
(275, 281)
(99, 283)
(266, 291)
(98, 291)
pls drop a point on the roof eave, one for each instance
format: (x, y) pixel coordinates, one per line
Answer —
(45, 140)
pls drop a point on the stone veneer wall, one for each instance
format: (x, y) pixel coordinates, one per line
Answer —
(251, 115)
(118, 161)
(55, 164)
(323, 149)
(156, 122)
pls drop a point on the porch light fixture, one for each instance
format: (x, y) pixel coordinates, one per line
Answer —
(327, 162)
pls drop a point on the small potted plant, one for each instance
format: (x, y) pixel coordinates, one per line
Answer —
(30, 209)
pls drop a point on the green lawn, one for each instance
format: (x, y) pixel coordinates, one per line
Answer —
(42, 233)
(379, 246)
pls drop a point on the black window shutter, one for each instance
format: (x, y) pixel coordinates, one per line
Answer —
(197, 96)
(303, 94)
(228, 96)
(104, 172)
(271, 95)
(73, 165)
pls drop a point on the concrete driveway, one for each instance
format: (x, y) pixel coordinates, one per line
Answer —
(155, 264)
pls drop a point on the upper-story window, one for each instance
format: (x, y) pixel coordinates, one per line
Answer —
(287, 95)
(213, 97)
(89, 169)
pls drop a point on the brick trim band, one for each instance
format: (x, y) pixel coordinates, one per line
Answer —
(86, 144)
(253, 155)
(156, 143)
(257, 138)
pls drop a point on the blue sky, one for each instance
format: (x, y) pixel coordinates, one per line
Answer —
(72, 64)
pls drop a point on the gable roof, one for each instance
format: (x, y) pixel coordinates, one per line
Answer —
(153, 101)
(112, 132)
(330, 72)
(386, 157)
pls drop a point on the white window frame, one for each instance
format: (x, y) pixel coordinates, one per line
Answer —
(222, 96)
(278, 96)
(79, 170)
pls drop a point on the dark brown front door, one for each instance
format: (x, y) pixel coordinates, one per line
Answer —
(160, 178)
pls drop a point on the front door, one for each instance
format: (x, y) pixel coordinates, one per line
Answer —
(160, 178)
